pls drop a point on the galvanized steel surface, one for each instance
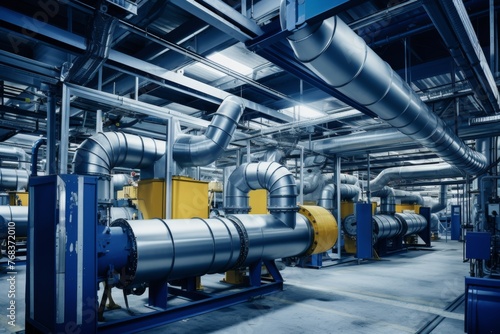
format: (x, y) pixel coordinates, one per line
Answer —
(343, 60)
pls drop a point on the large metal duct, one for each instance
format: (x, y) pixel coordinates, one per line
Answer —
(163, 249)
(390, 226)
(273, 177)
(413, 172)
(14, 179)
(15, 153)
(408, 197)
(439, 205)
(411, 222)
(189, 151)
(386, 226)
(16, 214)
(343, 60)
(99, 154)
(159, 249)
(347, 192)
(19, 215)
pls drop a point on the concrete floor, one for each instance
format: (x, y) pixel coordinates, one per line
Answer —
(402, 293)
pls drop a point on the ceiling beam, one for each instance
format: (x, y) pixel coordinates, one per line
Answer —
(453, 24)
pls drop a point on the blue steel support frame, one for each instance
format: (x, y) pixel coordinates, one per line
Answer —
(425, 234)
(203, 303)
(364, 231)
(456, 218)
(61, 277)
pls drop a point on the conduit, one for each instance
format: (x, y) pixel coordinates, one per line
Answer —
(343, 60)
(14, 179)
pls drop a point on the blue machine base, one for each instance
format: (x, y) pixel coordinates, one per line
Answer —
(482, 305)
(201, 303)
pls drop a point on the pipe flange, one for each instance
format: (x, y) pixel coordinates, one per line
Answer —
(244, 241)
(293, 208)
(128, 274)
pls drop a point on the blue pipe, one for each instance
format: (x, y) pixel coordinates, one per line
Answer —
(34, 154)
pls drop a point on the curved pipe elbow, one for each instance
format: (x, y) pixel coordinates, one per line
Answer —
(99, 154)
(190, 151)
(273, 177)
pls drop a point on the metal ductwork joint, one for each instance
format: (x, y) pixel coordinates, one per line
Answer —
(100, 36)
(273, 177)
(14, 179)
(347, 192)
(99, 154)
(190, 151)
(413, 172)
(343, 60)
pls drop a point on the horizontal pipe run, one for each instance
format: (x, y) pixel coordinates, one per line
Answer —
(338, 56)
(162, 250)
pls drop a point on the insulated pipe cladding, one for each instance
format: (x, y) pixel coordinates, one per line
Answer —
(341, 58)
(159, 250)
(143, 251)
(389, 226)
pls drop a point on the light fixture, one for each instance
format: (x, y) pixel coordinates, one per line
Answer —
(234, 65)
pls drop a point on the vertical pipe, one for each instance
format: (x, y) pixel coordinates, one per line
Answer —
(98, 122)
(339, 214)
(169, 165)
(244, 7)
(65, 111)
(136, 92)
(301, 187)
(249, 158)
(368, 195)
(492, 37)
(51, 167)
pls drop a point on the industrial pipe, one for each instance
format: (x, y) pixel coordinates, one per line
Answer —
(14, 153)
(347, 192)
(16, 214)
(413, 172)
(159, 249)
(342, 59)
(389, 226)
(273, 177)
(34, 154)
(189, 151)
(99, 154)
(14, 179)
(19, 215)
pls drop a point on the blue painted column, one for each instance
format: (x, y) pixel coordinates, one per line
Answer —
(455, 221)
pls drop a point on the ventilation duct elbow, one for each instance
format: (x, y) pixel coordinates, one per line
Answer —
(413, 172)
(273, 177)
(99, 154)
(343, 60)
(190, 151)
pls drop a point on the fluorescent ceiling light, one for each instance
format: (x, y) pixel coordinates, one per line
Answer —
(302, 112)
(230, 63)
